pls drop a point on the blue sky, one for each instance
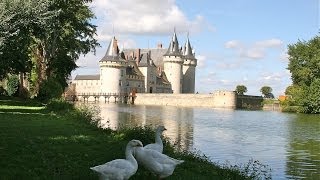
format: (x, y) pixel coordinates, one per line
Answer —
(235, 41)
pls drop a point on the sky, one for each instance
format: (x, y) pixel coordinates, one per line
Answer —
(236, 42)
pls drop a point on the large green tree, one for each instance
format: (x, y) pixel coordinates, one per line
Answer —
(19, 19)
(304, 61)
(304, 65)
(241, 89)
(44, 38)
(267, 91)
(66, 37)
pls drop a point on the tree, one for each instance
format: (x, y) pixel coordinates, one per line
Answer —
(304, 65)
(19, 20)
(304, 61)
(65, 38)
(266, 91)
(241, 89)
(44, 37)
(312, 102)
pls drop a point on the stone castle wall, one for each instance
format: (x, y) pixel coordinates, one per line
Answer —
(218, 99)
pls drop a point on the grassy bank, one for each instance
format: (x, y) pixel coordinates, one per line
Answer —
(59, 142)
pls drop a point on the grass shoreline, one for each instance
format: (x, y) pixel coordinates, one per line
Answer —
(59, 142)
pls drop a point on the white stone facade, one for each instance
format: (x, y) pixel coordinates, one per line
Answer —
(142, 71)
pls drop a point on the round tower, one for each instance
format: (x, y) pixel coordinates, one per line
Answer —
(172, 65)
(188, 69)
(112, 70)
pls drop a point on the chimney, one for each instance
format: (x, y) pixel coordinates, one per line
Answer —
(138, 56)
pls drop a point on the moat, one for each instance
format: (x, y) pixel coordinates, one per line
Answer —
(288, 143)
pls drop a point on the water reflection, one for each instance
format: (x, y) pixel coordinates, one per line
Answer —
(303, 153)
(288, 143)
(179, 121)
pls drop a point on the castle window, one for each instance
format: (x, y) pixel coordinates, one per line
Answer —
(122, 73)
(120, 82)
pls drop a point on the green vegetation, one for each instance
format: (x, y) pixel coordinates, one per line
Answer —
(304, 66)
(44, 38)
(61, 142)
(267, 92)
(12, 85)
(241, 89)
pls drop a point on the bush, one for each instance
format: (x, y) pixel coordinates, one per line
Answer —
(3, 92)
(294, 109)
(12, 85)
(58, 105)
(49, 89)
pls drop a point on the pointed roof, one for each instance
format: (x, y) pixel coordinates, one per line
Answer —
(187, 53)
(112, 51)
(173, 49)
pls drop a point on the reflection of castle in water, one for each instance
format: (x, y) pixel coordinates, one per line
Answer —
(178, 121)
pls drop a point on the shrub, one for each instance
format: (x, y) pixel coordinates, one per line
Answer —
(3, 92)
(49, 89)
(12, 85)
(59, 106)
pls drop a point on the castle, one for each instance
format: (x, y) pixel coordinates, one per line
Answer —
(155, 70)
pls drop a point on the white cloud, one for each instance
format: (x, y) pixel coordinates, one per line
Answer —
(254, 53)
(143, 17)
(269, 43)
(201, 61)
(256, 50)
(284, 56)
(233, 44)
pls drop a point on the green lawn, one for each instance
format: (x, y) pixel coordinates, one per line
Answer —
(38, 144)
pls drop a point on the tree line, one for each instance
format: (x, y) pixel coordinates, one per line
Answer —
(40, 41)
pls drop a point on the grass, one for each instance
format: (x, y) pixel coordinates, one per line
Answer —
(59, 142)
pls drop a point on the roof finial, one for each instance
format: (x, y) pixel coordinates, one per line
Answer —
(188, 34)
(174, 29)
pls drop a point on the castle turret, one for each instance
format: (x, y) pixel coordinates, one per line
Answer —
(173, 65)
(188, 68)
(112, 70)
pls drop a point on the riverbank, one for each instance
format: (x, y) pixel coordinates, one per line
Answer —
(60, 142)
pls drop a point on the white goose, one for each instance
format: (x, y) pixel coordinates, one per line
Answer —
(156, 162)
(120, 169)
(158, 145)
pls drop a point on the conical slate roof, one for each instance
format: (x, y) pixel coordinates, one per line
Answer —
(112, 51)
(173, 49)
(187, 53)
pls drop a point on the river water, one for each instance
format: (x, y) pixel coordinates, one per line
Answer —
(288, 143)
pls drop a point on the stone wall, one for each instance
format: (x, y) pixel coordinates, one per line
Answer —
(218, 99)
(249, 102)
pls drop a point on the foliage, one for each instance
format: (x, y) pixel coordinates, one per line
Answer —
(44, 38)
(20, 20)
(50, 88)
(266, 91)
(241, 89)
(65, 38)
(12, 85)
(304, 61)
(312, 102)
(59, 106)
(304, 65)
(3, 92)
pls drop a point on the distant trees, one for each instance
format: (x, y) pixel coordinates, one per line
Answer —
(304, 66)
(241, 89)
(267, 92)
